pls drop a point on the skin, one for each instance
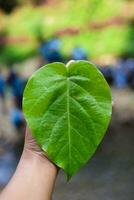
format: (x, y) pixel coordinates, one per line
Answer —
(34, 177)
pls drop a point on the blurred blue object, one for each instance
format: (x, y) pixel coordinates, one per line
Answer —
(51, 50)
(129, 64)
(17, 118)
(54, 44)
(108, 73)
(2, 85)
(79, 53)
(120, 75)
(17, 84)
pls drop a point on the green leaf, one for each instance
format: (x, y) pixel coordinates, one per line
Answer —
(68, 109)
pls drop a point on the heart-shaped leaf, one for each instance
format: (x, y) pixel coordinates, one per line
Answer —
(68, 110)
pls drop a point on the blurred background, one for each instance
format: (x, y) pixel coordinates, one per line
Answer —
(36, 32)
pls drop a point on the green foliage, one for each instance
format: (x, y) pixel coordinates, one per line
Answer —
(68, 109)
(35, 22)
(109, 41)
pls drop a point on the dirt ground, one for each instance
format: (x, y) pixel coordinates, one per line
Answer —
(109, 175)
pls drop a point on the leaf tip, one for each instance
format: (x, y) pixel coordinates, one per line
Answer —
(69, 177)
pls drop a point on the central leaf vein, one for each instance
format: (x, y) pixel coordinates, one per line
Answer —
(69, 124)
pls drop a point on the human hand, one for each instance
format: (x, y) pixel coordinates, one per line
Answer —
(32, 149)
(35, 175)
